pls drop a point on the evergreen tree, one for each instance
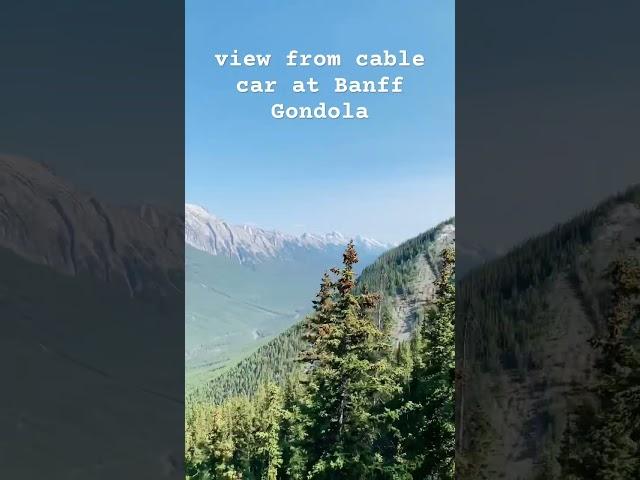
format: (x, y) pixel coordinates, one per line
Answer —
(603, 440)
(269, 452)
(209, 446)
(196, 431)
(428, 423)
(353, 408)
(350, 380)
(320, 325)
(242, 415)
(220, 450)
(294, 426)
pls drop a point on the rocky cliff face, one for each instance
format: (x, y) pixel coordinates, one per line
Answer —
(405, 276)
(408, 306)
(523, 329)
(249, 244)
(86, 360)
(47, 221)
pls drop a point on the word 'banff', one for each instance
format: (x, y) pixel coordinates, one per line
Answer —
(369, 86)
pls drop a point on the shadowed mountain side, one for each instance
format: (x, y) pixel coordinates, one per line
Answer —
(48, 221)
(523, 326)
(74, 404)
(90, 338)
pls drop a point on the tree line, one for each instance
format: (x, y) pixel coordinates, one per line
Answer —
(357, 406)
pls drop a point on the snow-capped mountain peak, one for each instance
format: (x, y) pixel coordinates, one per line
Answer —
(248, 243)
(371, 243)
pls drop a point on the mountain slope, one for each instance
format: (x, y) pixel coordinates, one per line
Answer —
(405, 276)
(48, 221)
(72, 403)
(89, 297)
(406, 287)
(231, 308)
(524, 323)
(249, 244)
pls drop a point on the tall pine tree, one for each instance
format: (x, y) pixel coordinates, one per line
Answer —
(428, 424)
(360, 409)
(603, 439)
(269, 450)
(350, 380)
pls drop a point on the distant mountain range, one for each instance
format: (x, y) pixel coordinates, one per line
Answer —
(245, 285)
(403, 275)
(250, 244)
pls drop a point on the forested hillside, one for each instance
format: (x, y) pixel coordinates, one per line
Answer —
(395, 271)
(403, 277)
(359, 406)
(245, 285)
(530, 333)
(272, 362)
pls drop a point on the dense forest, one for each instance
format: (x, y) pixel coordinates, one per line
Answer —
(602, 438)
(513, 287)
(357, 405)
(273, 362)
(390, 275)
(517, 317)
(393, 272)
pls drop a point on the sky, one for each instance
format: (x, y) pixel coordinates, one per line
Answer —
(389, 177)
(95, 91)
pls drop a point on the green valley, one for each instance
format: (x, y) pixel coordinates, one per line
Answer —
(244, 286)
(403, 276)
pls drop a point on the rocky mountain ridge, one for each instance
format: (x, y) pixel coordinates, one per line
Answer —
(249, 244)
(48, 221)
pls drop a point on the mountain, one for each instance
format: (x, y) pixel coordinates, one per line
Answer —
(403, 276)
(72, 403)
(249, 244)
(48, 221)
(89, 297)
(525, 324)
(470, 256)
(245, 285)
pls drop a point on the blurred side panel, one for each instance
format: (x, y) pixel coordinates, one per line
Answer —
(548, 229)
(92, 239)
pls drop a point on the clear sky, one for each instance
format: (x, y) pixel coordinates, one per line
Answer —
(389, 177)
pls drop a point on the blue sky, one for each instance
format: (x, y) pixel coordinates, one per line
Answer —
(390, 176)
